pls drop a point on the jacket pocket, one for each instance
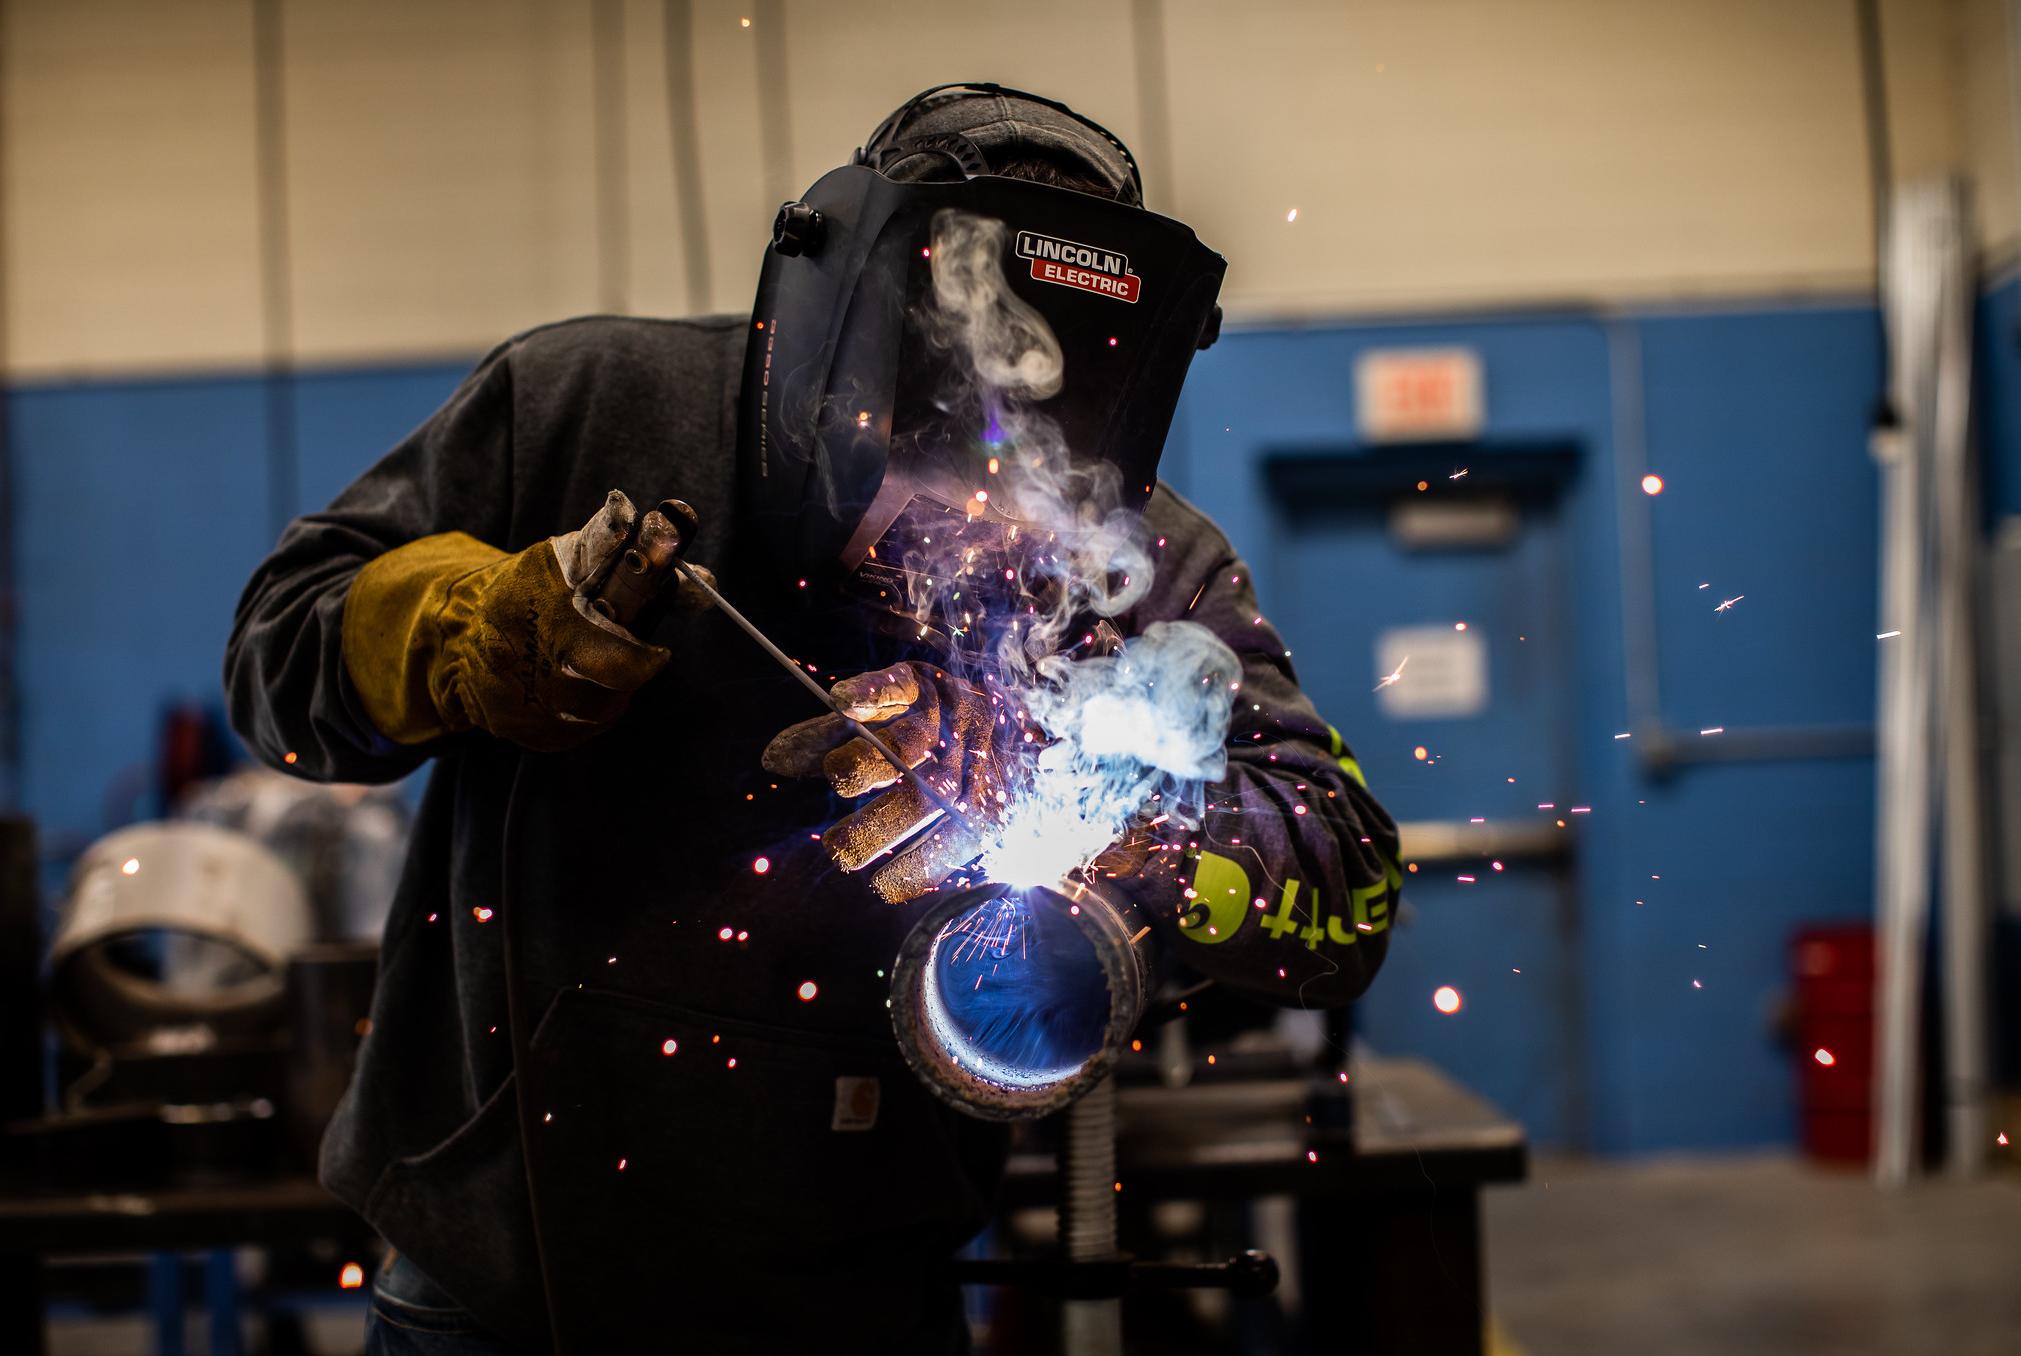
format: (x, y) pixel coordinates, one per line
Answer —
(769, 1186)
(460, 1211)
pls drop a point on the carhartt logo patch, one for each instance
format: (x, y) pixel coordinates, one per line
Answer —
(1068, 263)
(855, 1104)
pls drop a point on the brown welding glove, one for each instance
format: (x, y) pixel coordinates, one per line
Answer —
(447, 634)
(949, 730)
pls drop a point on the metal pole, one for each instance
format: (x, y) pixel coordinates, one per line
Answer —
(1902, 791)
(826, 698)
(1967, 930)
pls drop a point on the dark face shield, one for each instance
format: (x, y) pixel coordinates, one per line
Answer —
(862, 419)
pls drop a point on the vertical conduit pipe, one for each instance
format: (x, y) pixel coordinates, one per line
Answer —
(277, 297)
(613, 203)
(677, 27)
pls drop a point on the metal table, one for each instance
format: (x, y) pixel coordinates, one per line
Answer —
(1397, 1266)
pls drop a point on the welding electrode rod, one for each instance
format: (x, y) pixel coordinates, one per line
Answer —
(826, 698)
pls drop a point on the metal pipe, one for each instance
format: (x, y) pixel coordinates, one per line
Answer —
(1011, 1003)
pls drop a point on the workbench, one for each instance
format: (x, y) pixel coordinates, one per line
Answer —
(1387, 1176)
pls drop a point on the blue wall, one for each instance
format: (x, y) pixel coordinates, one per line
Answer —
(144, 506)
(142, 510)
(1997, 395)
(1758, 421)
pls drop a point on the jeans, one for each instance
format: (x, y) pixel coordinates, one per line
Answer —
(413, 1316)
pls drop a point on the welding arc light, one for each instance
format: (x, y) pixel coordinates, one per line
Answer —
(1012, 1002)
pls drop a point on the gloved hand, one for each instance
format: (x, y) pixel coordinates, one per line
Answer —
(447, 634)
(955, 733)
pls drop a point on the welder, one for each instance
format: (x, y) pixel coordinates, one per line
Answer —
(630, 1078)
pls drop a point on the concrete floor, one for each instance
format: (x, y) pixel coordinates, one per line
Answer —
(1747, 1255)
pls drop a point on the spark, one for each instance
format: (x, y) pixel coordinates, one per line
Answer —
(1887, 635)
(725, 934)
(1652, 484)
(1291, 216)
(289, 757)
(1419, 753)
(621, 1163)
(351, 1277)
(807, 990)
(1458, 475)
(130, 867)
(762, 865)
(1727, 606)
(1465, 880)
(1824, 1057)
(1447, 999)
(743, 23)
(1496, 865)
(1706, 585)
(2000, 1138)
(1623, 735)
(1713, 730)
(669, 1045)
(1390, 679)
(1459, 626)
(481, 914)
(1312, 1155)
(1694, 983)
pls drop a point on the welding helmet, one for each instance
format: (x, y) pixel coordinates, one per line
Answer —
(845, 425)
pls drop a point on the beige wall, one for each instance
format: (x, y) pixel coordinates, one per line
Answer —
(443, 173)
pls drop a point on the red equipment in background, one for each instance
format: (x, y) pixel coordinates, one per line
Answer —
(1834, 972)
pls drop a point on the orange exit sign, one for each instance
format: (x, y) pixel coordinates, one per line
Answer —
(1406, 393)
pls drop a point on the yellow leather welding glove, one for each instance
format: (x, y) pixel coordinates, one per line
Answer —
(447, 634)
(954, 733)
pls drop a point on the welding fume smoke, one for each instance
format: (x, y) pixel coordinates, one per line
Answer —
(1122, 735)
(1011, 351)
(1145, 726)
